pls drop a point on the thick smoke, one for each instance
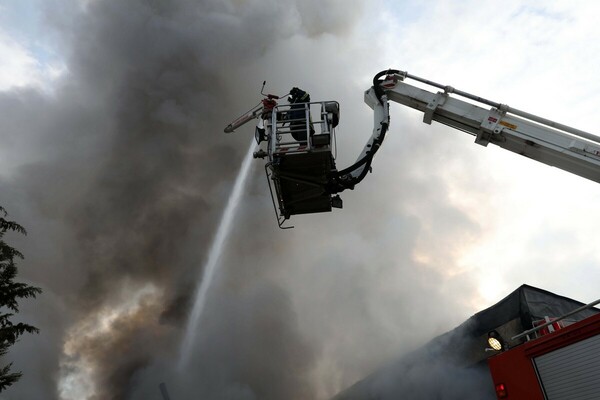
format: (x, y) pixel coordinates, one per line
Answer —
(442, 369)
(132, 169)
(125, 173)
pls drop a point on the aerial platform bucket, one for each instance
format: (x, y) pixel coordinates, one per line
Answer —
(301, 151)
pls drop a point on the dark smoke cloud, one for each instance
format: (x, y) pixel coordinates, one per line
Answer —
(124, 176)
(129, 172)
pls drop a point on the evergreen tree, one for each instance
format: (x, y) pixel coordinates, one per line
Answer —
(10, 292)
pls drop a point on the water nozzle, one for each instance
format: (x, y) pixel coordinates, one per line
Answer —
(260, 154)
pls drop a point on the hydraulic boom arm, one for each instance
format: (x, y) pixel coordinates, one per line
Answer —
(300, 138)
(538, 138)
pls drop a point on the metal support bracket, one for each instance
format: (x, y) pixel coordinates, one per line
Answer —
(584, 149)
(489, 127)
(438, 100)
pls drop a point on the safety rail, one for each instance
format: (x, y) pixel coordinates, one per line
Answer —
(302, 127)
(553, 321)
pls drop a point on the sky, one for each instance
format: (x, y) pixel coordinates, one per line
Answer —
(113, 157)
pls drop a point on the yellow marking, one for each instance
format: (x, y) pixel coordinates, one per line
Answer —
(508, 125)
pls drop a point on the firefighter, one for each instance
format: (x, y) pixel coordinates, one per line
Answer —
(297, 114)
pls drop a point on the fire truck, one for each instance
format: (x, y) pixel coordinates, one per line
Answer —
(556, 362)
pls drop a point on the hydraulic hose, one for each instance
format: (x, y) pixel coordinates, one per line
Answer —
(343, 179)
(379, 92)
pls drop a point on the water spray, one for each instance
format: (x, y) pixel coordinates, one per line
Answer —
(214, 256)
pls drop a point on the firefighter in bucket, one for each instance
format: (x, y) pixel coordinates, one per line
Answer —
(298, 99)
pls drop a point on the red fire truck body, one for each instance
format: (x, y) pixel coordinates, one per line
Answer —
(561, 365)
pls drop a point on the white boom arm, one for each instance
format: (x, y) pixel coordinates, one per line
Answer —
(301, 166)
(543, 140)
